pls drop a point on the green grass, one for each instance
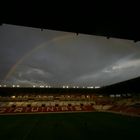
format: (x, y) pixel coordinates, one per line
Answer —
(69, 126)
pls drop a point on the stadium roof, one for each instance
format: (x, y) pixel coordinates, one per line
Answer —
(126, 87)
(107, 19)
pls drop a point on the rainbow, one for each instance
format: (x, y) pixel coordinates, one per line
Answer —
(27, 55)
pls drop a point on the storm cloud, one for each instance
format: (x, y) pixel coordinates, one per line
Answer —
(29, 56)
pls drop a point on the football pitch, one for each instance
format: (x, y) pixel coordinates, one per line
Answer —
(69, 126)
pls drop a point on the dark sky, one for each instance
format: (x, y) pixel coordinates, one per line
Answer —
(29, 56)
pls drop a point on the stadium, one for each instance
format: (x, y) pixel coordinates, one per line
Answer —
(31, 100)
(30, 113)
(61, 85)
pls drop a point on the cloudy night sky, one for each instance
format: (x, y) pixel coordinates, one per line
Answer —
(29, 56)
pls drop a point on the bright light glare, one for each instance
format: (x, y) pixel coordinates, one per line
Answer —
(13, 97)
(97, 87)
(89, 87)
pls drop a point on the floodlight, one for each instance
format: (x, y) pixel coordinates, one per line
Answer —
(97, 87)
(13, 97)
